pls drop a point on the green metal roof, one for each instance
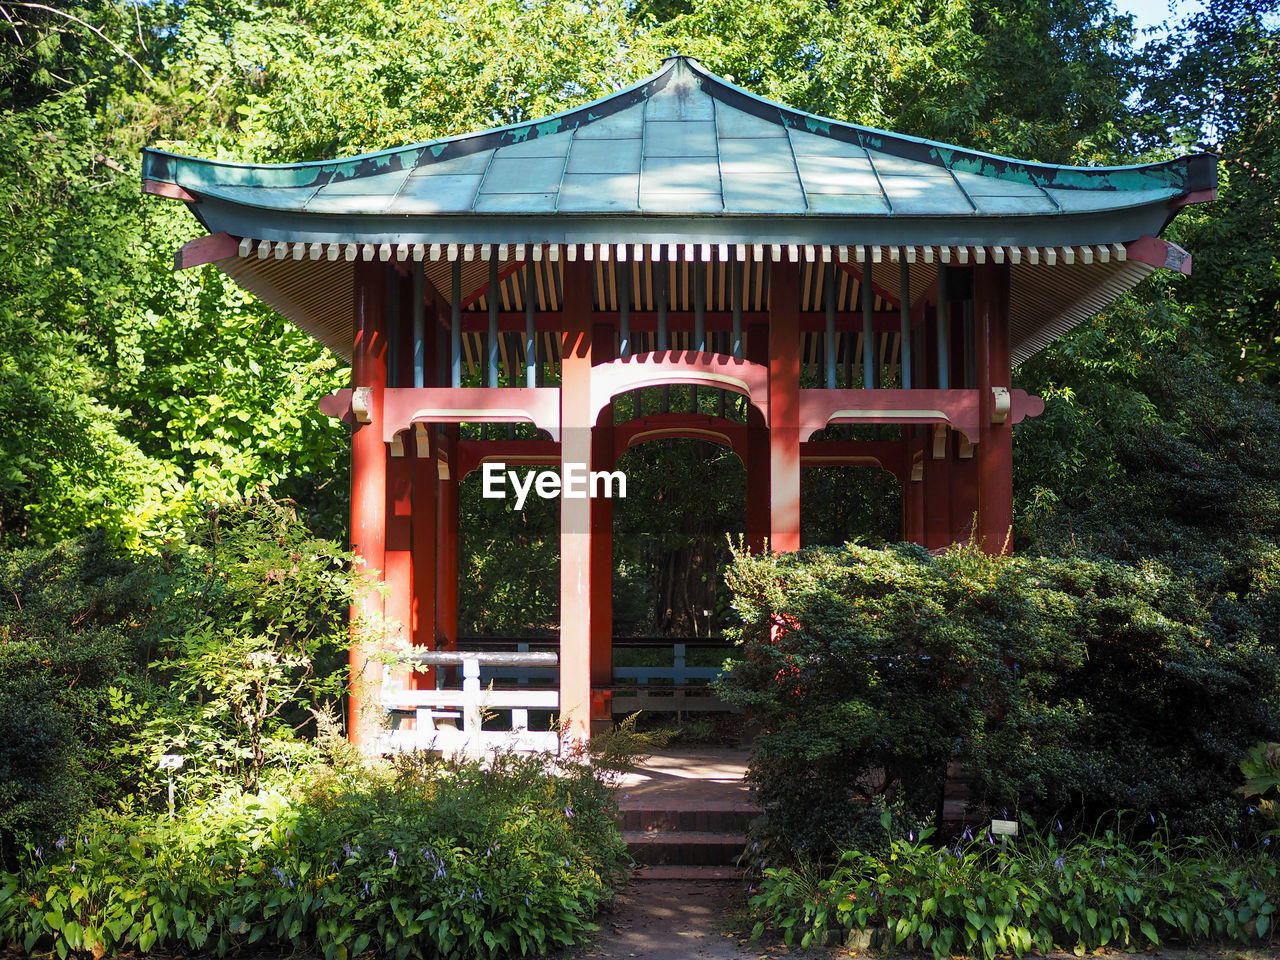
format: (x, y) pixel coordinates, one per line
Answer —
(684, 156)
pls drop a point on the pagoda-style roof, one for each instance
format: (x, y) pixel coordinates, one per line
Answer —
(684, 157)
(685, 145)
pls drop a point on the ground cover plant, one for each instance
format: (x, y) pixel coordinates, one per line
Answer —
(429, 859)
(1043, 892)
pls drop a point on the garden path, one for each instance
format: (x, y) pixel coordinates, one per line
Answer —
(674, 807)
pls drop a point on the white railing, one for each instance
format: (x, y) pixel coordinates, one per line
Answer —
(658, 687)
(449, 721)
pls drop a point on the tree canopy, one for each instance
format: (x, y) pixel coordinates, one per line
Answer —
(135, 393)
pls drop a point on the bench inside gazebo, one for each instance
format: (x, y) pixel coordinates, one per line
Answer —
(798, 273)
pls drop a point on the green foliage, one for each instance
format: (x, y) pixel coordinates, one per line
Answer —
(1261, 769)
(222, 648)
(1043, 893)
(437, 860)
(1066, 686)
(77, 626)
(260, 647)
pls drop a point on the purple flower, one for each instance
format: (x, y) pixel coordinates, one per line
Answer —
(568, 811)
(285, 880)
(1060, 863)
(393, 857)
(40, 854)
(1059, 823)
(1152, 816)
(61, 843)
(911, 836)
(968, 834)
(366, 889)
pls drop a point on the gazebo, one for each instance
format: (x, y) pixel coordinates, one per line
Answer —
(681, 231)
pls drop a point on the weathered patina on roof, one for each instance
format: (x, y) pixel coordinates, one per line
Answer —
(685, 156)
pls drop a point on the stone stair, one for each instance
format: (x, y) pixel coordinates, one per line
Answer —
(686, 815)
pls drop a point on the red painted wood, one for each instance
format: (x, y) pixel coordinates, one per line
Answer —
(678, 321)
(423, 614)
(408, 405)
(784, 407)
(447, 542)
(757, 459)
(602, 458)
(956, 408)
(683, 426)
(1159, 253)
(964, 493)
(398, 603)
(937, 496)
(888, 455)
(577, 416)
(170, 191)
(473, 453)
(683, 367)
(1195, 196)
(210, 249)
(368, 489)
(995, 447)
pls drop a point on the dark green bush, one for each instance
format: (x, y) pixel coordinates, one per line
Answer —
(980, 898)
(439, 860)
(1066, 687)
(77, 626)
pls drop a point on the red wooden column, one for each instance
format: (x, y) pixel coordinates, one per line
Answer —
(368, 490)
(995, 448)
(757, 465)
(423, 609)
(447, 540)
(602, 552)
(961, 450)
(575, 513)
(784, 407)
(425, 483)
(398, 604)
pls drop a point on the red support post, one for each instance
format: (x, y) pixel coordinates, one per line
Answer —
(423, 612)
(937, 491)
(602, 458)
(425, 479)
(757, 453)
(995, 447)
(368, 491)
(784, 407)
(575, 513)
(398, 604)
(447, 540)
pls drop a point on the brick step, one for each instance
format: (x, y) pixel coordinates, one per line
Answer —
(730, 818)
(685, 847)
(675, 871)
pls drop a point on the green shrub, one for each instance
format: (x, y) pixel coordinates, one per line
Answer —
(1041, 893)
(438, 860)
(1066, 687)
(77, 626)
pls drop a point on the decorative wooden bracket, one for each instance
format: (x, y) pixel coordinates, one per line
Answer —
(362, 404)
(1000, 403)
(939, 441)
(917, 466)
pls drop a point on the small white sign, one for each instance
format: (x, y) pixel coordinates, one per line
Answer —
(1004, 828)
(171, 761)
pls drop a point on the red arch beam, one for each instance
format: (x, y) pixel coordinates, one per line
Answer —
(664, 368)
